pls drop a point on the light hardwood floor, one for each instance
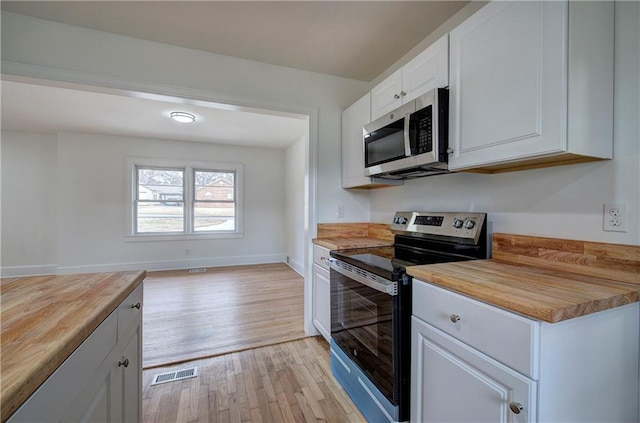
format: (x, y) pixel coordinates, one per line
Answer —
(287, 382)
(189, 316)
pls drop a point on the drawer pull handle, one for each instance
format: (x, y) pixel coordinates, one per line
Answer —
(136, 305)
(454, 318)
(124, 363)
(516, 407)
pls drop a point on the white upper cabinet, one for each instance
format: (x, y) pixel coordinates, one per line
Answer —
(428, 70)
(387, 95)
(353, 120)
(531, 83)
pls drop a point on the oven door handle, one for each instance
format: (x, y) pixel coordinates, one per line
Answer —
(379, 284)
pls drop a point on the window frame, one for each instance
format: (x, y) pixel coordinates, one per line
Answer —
(189, 168)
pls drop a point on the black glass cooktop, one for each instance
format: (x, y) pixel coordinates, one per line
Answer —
(391, 262)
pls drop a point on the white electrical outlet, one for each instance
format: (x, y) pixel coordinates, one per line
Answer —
(615, 217)
(340, 210)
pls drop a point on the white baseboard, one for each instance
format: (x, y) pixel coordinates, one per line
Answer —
(296, 265)
(149, 265)
(18, 271)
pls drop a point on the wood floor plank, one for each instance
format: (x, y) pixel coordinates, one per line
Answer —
(188, 316)
(296, 394)
(262, 369)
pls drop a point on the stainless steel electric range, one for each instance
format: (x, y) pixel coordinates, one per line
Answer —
(371, 305)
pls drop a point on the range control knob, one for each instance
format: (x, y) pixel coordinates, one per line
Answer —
(469, 224)
(457, 223)
(399, 220)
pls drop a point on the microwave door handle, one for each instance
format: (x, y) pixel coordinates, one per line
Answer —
(407, 139)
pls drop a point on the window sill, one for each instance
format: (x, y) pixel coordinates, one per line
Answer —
(182, 237)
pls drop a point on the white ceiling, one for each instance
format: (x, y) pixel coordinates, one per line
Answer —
(44, 109)
(352, 39)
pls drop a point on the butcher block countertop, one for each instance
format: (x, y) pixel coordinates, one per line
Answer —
(546, 279)
(45, 318)
(344, 236)
(348, 243)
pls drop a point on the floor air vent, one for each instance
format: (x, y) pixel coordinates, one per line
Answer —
(199, 270)
(173, 376)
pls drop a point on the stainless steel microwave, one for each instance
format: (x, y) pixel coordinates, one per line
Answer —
(411, 141)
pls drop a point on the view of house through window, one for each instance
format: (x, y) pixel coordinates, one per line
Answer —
(160, 202)
(214, 205)
(185, 200)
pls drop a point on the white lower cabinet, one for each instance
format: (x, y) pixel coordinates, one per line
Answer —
(321, 292)
(102, 380)
(455, 383)
(473, 362)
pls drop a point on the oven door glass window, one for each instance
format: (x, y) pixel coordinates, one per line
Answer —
(362, 325)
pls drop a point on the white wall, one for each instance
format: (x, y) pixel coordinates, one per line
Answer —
(563, 202)
(33, 47)
(29, 196)
(296, 203)
(76, 217)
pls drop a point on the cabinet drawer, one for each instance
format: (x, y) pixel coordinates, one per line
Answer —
(129, 311)
(320, 256)
(507, 337)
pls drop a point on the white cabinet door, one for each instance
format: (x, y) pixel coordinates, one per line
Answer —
(100, 399)
(451, 382)
(131, 379)
(386, 96)
(353, 120)
(428, 70)
(508, 83)
(532, 84)
(322, 301)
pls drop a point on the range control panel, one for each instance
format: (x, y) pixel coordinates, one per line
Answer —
(463, 225)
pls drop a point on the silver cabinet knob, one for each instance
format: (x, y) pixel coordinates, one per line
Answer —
(136, 305)
(396, 96)
(124, 363)
(516, 407)
(454, 318)
(449, 150)
(402, 93)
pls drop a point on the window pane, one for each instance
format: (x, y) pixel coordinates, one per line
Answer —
(214, 185)
(213, 216)
(160, 205)
(160, 216)
(160, 184)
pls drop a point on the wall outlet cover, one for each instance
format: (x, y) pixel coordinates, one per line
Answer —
(615, 217)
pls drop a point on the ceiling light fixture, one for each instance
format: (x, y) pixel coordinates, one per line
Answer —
(183, 117)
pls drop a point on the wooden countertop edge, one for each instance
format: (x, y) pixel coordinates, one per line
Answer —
(538, 312)
(13, 399)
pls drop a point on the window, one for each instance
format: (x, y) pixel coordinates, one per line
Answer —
(214, 205)
(160, 202)
(184, 200)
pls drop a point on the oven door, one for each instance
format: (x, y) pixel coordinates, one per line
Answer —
(363, 313)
